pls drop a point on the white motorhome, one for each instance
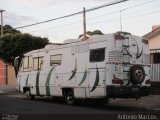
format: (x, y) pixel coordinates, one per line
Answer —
(104, 66)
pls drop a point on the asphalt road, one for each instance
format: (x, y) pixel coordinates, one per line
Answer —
(12, 105)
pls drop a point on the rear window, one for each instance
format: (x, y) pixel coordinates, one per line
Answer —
(97, 55)
(55, 60)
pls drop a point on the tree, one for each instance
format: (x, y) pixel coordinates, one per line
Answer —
(95, 32)
(124, 33)
(14, 44)
(9, 29)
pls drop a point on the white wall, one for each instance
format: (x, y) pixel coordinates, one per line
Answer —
(154, 43)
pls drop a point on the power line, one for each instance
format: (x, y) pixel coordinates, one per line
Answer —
(141, 4)
(130, 8)
(111, 20)
(141, 10)
(73, 14)
(60, 26)
(22, 9)
(132, 17)
(137, 5)
(103, 14)
(46, 6)
(99, 22)
(38, 5)
(152, 12)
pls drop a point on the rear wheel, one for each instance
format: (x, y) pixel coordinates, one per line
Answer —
(29, 95)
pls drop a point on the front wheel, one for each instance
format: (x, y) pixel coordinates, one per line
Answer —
(102, 101)
(29, 95)
(69, 97)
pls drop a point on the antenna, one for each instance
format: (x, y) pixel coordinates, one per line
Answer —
(120, 20)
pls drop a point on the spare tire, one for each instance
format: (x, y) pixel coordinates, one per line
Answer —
(137, 74)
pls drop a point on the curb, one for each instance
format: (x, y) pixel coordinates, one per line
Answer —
(1, 91)
(7, 90)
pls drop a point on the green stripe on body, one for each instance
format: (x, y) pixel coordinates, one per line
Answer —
(27, 79)
(37, 83)
(84, 76)
(96, 81)
(74, 71)
(19, 85)
(48, 81)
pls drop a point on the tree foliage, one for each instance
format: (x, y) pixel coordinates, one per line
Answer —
(14, 44)
(125, 33)
(9, 29)
(95, 32)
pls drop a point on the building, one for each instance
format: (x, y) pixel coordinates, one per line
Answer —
(154, 45)
(154, 37)
(7, 75)
(3, 77)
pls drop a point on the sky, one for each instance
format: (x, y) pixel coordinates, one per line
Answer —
(137, 17)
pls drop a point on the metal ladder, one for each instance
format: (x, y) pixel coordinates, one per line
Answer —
(126, 58)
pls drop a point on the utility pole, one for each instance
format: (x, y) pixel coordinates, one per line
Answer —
(84, 22)
(1, 11)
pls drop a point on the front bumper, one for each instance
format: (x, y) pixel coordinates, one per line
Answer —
(127, 91)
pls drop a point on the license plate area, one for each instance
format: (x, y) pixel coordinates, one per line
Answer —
(135, 89)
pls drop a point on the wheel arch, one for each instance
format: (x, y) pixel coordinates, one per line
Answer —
(66, 90)
(25, 89)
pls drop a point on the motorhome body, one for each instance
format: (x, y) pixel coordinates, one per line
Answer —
(104, 66)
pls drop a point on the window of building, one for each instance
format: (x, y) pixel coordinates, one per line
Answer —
(55, 60)
(97, 55)
(155, 57)
(38, 63)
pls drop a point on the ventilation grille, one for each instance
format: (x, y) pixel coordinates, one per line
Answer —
(115, 56)
(146, 59)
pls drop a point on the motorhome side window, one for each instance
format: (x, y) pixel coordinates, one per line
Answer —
(38, 63)
(27, 63)
(55, 60)
(97, 55)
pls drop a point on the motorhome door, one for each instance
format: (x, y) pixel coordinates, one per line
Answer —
(97, 69)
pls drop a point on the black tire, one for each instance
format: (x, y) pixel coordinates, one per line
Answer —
(57, 99)
(29, 95)
(69, 97)
(102, 101)
(137, 74)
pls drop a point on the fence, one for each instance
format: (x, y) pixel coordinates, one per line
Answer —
(155, 67)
